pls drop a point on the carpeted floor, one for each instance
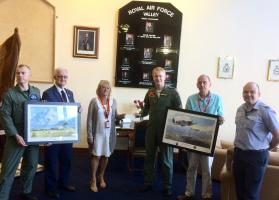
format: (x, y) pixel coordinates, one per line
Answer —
(122, 185)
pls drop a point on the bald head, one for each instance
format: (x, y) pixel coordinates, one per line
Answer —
(203, 84)
(204, 76)
(251, 93)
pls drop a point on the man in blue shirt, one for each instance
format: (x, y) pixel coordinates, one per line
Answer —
(257, 130)
(206, 102)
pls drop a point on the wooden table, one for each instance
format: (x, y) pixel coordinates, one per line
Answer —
(128, 132)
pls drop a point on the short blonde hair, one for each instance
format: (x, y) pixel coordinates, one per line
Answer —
(158, 69)
(101, 84)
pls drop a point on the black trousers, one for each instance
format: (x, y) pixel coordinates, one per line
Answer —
(249, 168)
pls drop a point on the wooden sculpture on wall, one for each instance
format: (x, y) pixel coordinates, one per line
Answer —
(9, 55)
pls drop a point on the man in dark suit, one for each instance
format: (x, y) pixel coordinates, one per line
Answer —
(58, 156)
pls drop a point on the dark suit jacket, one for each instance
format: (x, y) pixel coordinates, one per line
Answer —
(60, 152)
(52, 95)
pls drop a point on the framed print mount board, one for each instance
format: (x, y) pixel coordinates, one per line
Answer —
(51, 122)
(195, 131)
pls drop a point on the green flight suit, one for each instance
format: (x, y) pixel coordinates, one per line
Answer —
(12, 119)
(156, 107)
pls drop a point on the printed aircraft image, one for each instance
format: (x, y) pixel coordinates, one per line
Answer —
(183, 122)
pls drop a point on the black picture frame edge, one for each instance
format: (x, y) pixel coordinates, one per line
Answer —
(198, 113)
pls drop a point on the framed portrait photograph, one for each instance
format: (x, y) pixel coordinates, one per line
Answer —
(86, 42)
(195, 131)
(147, 53)
(167, 41)
(129, 39)
(273, 70)
(149, 27)
(51, 122)
(225, 67)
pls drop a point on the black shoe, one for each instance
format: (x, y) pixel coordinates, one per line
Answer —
(68, 188)
(53, 194)
(167, 192)
(28, 196)
(145, 188)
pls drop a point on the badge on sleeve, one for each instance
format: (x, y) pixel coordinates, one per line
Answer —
(33, 97)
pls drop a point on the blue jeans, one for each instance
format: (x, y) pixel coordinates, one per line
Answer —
(249, 168)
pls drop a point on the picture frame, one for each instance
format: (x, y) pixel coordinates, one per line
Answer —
(167, 41)
(273, 70)
(225, 67)
(149, 27)
(129, 39)
(86, 42)
(194, 131)
(51, 122)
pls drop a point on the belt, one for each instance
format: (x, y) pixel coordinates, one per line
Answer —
(251, 150)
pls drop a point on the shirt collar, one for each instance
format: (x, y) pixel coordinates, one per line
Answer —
(19, 89)
(59, 88)
(256, 106)
(208, 96)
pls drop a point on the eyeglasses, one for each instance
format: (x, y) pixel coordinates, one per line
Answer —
(60, 77)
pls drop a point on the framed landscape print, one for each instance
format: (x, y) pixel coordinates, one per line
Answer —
(225, 67)
(86, 42)
(273, 70)
(51, 122)
(195, 131)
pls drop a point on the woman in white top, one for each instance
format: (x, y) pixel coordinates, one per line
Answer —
(101, 132)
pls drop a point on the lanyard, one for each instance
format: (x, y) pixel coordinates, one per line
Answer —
(106, 108)
(206, 106)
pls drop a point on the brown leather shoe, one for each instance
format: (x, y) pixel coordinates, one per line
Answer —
(184, 197)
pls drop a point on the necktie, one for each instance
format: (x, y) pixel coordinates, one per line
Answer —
(63, 94)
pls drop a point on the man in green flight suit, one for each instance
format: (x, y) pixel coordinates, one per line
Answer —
(11, 116)
(156, 101)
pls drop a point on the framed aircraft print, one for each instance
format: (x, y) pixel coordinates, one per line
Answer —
(195, 131)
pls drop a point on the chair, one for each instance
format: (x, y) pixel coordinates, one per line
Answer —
(136, 146)
(269, 189)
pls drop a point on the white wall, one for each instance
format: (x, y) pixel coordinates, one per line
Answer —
(247, 30)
